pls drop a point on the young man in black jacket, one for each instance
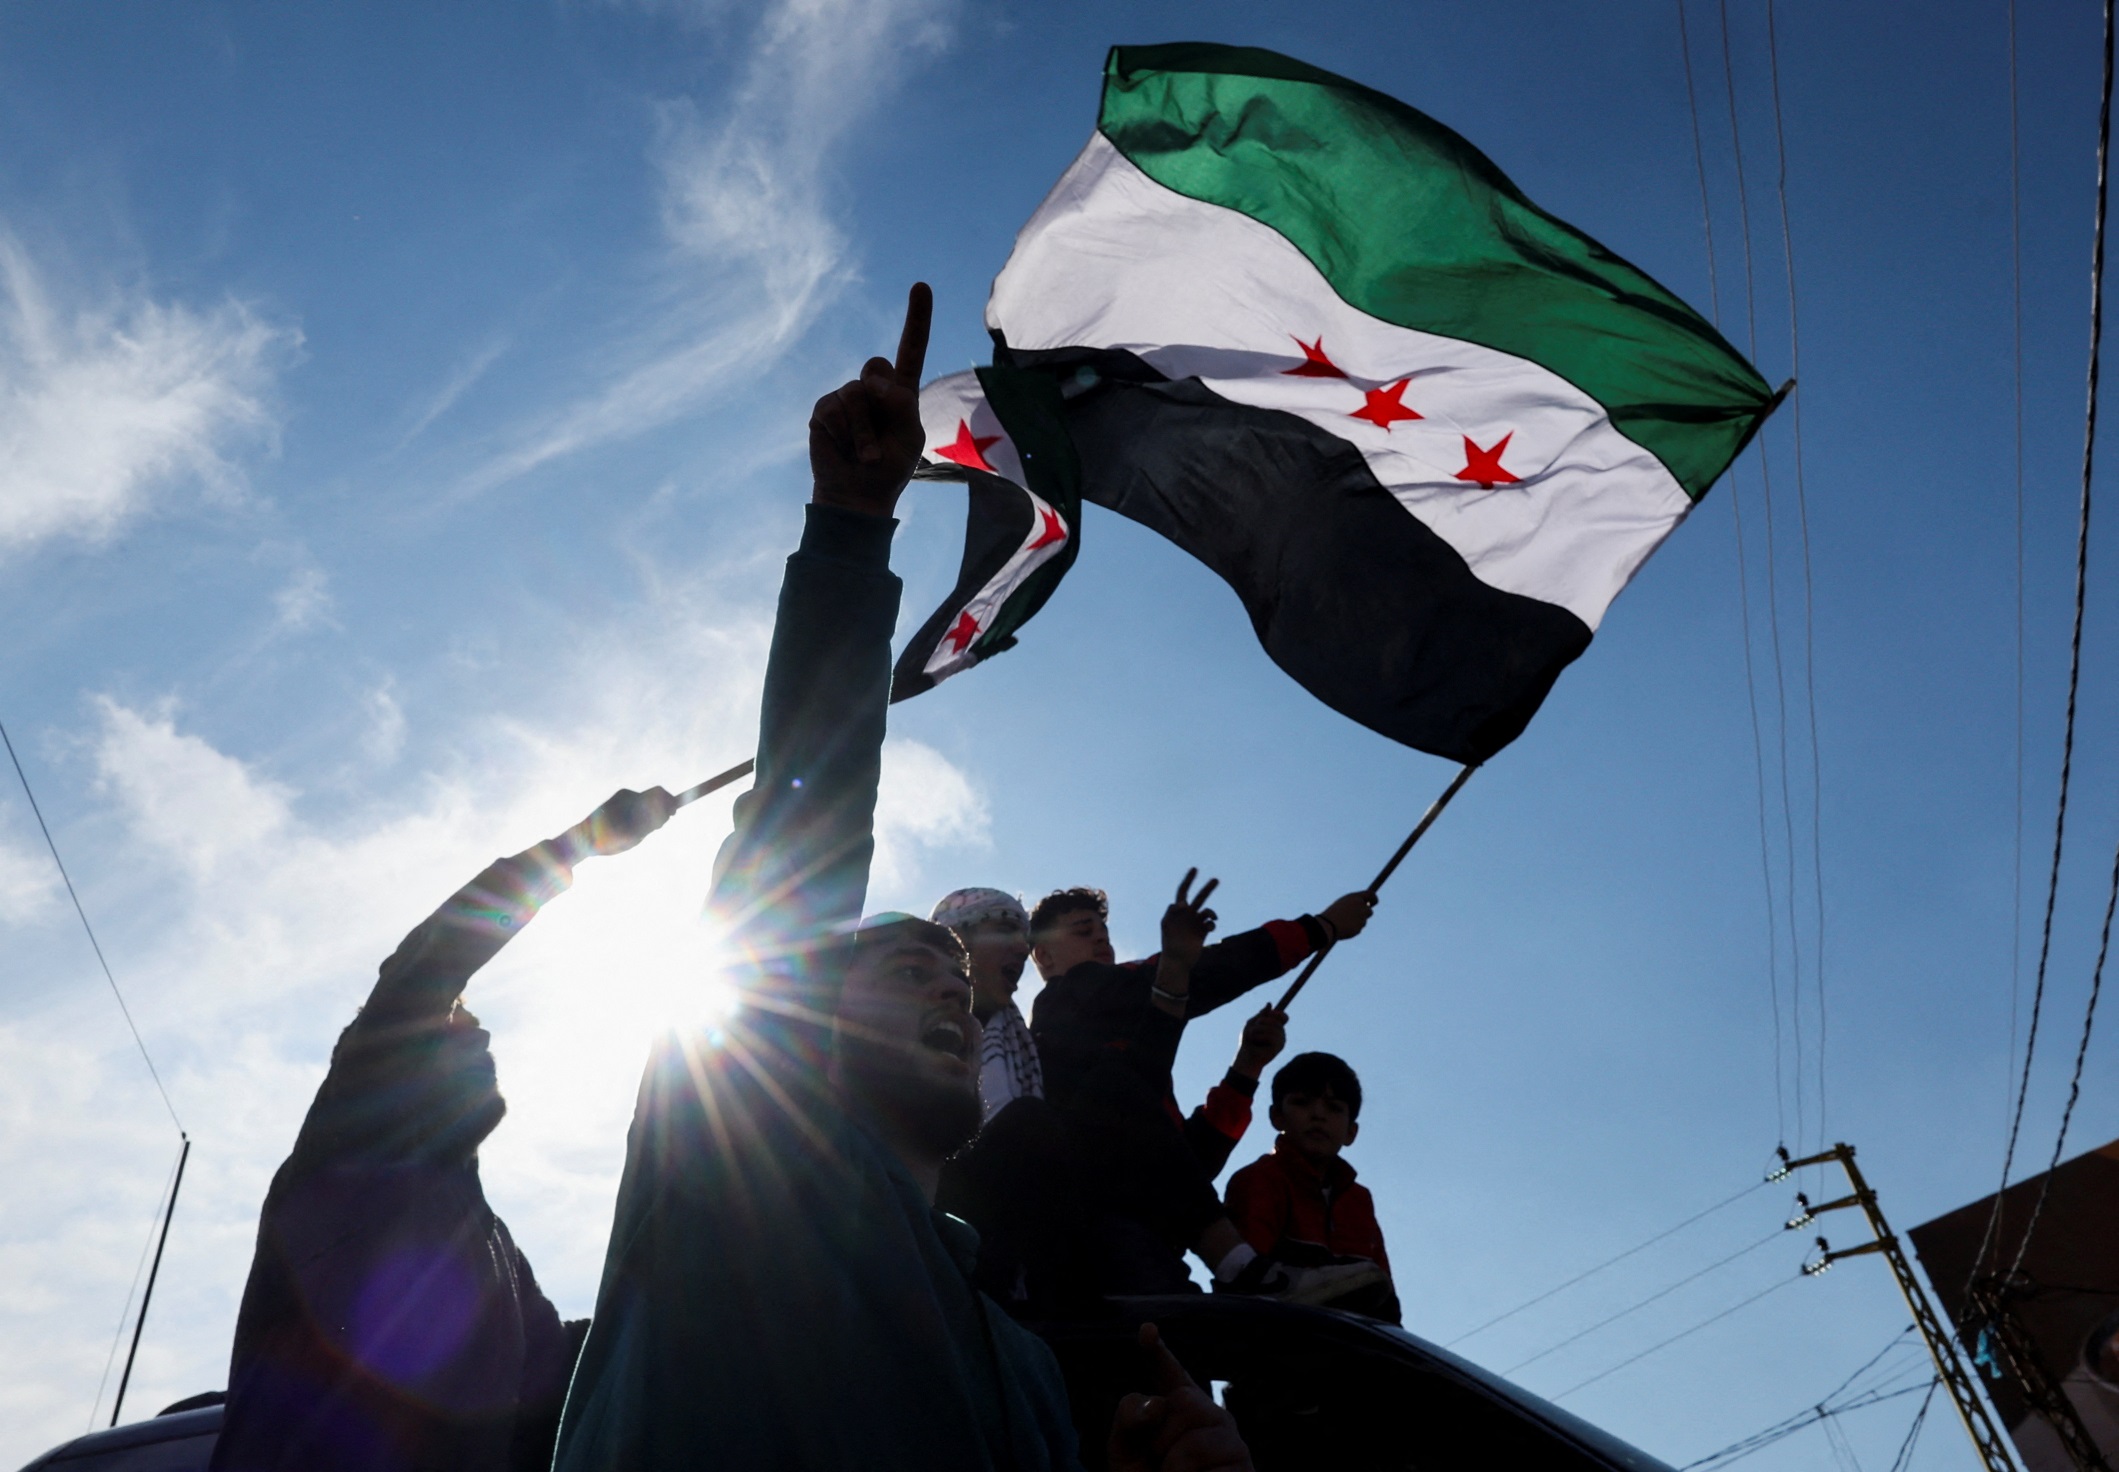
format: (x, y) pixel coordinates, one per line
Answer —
(1107, 1037)
(390, 1323)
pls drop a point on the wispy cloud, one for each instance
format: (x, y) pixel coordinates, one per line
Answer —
(756, 248)
(104, 405)
(383, 736)
(245, 915)
(303, 601)
(458, 383)
(29, 886)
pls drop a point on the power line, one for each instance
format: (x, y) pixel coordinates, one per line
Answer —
(1920, 1418)
(1802, 509)
(1588, 1273)
(1736, 143)
(1773, 614)
(2104, 938)
(1660, 1293)
(1699, 162)
(94, 944)
(117, 1336)
(2074, 1088)
(1774, 1287)
(2016, 323)
(2074, 680)
(1803, 1420)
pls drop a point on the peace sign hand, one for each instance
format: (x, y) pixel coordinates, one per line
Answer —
(1188, 922)
(865, 436)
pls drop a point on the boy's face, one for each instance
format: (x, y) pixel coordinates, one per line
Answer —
(1077, 936)
(1318, 1126)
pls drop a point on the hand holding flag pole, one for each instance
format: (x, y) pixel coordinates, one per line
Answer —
(716, 783)
(1427, 821)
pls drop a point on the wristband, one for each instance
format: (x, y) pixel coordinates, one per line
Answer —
(1320, 931)
(1155, 989)
(1242, 1083)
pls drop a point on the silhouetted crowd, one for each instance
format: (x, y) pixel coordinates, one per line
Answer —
(847, 1212)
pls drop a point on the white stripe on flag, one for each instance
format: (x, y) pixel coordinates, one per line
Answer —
(1112, 259)
(957, 418)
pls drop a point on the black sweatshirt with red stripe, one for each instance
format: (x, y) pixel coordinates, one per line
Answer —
(1094, 1011)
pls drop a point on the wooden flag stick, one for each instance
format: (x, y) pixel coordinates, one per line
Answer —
(1427, 821)
(715, 784)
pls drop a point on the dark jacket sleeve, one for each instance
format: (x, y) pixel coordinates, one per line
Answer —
(728, 1245)
(430, 966)
(1229, 968)
(796, 866)
(1215, 1127)
(385, 1095)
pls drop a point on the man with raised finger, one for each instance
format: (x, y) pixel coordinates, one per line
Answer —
(779, 1290)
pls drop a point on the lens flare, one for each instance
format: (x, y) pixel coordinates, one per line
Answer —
(682, 982)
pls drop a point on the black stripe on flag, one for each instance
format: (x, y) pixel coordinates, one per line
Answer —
(1349, 592)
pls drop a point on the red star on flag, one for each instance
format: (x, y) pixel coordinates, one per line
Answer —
(960, 637)
(1314, 363)
(1386, 406)
(1483, 467)
(968, 450)
(1055, 531)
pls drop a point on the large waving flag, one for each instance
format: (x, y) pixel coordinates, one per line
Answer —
(1425, 430)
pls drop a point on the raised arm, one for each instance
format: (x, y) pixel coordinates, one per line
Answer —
(429, 968)
(1215, 1127)
(1229, 968)
(797, 864)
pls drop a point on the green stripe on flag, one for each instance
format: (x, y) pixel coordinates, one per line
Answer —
(1413, 225)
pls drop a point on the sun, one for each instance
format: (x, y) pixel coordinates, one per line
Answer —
(679, 979)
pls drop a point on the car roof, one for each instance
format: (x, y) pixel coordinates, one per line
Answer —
(80, 1454)
(1317, 1387)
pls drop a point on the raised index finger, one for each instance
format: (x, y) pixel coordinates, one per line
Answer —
(912, 342)
(1169, 1375)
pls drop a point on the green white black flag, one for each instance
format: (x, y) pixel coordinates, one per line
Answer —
(1425, 430)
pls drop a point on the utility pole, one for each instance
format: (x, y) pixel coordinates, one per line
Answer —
(1942, 1347)
(2003, 1336)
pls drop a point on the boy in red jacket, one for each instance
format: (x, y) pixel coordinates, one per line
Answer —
(1301, 1204)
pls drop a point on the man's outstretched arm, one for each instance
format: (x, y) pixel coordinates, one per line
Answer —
(1229, 968)
(429, 968)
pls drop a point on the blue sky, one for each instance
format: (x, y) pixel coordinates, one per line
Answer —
(403, 427)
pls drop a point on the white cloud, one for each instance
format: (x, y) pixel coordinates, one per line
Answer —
(925, 802)
(457, 385)
(202, 809)
(304, 600)
(104, 406)
(757, 251)
(384, 738)
(245, 920)
(29, 885)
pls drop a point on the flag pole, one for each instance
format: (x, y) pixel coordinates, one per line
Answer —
(1427, 821)
(715, 784)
